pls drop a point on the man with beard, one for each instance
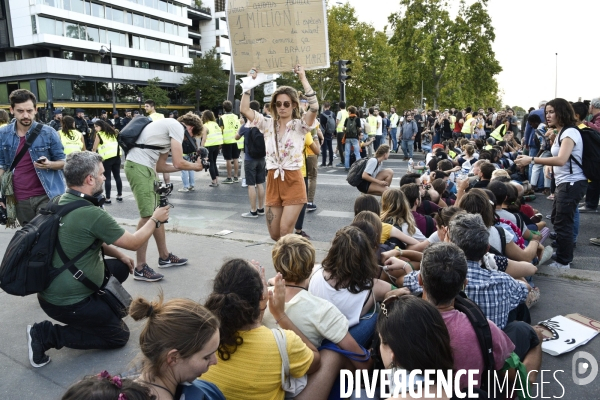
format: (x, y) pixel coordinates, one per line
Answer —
(89, 322)
(39, 155)
(126, 120)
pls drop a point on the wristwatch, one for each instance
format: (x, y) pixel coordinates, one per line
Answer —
(532, 160)
(156, 221)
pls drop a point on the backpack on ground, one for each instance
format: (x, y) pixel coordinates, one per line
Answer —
(27, 264)
(351, 129)
(255, 143)
(591, 153)
(129, 135)
(354, 177)
(330, 126)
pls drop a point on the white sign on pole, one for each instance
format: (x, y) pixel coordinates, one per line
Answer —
(267, 99)
(269, 88)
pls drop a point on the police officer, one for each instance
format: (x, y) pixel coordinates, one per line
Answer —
(56, 123)
(230, 124)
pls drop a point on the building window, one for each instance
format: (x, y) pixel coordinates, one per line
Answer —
(138, 20)
(33, 25)
(41, 89)
(162, 5)
(217, 23)
(136, 42)
(219, 6)
(87, 8)
(129, 18)
(77, 6)
(72, 30)
(93, 34)
(62, 89)
(118, 15)
(97, 10)
(218, 41)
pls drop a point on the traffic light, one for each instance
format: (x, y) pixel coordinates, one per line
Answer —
(343, 70)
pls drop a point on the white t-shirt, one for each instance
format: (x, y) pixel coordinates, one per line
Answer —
(563, 174)
(494, 239)
(434, 238)
(316, 318)
(350, 304)
(379, 125)
(417, 235)
(157, 133)
(373, 167)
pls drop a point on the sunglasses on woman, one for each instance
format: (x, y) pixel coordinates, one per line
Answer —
(286, 104)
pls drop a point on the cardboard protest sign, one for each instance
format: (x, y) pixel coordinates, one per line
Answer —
(274, 36)
(565, 334)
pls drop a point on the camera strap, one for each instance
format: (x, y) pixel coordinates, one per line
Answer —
(32, 136)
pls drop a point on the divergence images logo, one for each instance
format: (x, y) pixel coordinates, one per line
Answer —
(580, 367)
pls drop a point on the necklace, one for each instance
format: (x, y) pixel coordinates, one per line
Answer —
(296, 286)
(159, 386)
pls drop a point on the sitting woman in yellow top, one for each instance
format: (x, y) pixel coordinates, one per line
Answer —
(249, 365)
(71, 138)
(107, 145)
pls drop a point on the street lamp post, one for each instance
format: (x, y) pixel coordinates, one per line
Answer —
(102, 53)
(421, 94)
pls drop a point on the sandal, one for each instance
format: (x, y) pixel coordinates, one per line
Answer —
(213, 185)
(533, 297)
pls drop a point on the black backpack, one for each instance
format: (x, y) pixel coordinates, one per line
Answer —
(129, 135)
(591, 153)
(354, 177)
(27, 264)
(482, 329)
(255, 143)
(330, 126)
(351, 129)
(429, 227)
(502, 234)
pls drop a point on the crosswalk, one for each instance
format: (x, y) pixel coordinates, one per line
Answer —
(232, 207)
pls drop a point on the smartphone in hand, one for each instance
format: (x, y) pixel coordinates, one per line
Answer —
(41, 160)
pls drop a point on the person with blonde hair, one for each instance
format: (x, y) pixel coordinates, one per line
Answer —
(395, 210)
(284, 135)
(3, 118)
(500, 173)
(171, 362)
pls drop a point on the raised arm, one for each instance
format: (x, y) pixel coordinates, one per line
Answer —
(313, 103)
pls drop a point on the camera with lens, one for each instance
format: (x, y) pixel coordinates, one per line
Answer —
(202, 154)
(3, 216)
(163, 190)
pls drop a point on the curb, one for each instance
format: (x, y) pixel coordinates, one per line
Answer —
(579, 275)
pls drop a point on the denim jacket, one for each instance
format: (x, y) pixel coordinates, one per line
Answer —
(47, 144)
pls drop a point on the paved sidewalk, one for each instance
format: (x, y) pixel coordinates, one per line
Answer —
(20, 381)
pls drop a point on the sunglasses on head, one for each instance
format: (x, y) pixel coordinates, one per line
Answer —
(286, 104)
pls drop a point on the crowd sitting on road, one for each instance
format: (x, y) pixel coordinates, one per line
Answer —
(460, 226)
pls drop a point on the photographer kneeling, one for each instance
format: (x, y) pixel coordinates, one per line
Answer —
(141, 166)
(90, 322)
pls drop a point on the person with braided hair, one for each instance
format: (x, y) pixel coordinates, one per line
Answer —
(172, 363)
(106, 387)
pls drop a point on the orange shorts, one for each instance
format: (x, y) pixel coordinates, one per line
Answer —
(290, 192)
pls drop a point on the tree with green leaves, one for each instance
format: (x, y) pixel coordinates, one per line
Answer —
(154, 92)
(450, 57)
(207, 75)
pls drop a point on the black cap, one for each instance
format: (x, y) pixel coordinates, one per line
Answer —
(136, 112)
(79, 110)
(56, 112)
(103, 112)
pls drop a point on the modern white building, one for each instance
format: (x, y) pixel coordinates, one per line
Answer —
(211, 32)
(51, 47)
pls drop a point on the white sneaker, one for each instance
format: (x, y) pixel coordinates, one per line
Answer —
(244, 184)
(183, 190)
(558, 265)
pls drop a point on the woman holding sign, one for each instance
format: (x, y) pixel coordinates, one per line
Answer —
(284, 143)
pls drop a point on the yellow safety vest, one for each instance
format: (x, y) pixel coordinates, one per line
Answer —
(488, 147)
(231, 124)
(344, 116)
(499, 132)
(452, 154)
(214, 136)
(240, 143)
(71, 145)
(466, 128)
(372, 121)
(109, 147)
(156, 116)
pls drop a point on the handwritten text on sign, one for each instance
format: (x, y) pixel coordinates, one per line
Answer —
(274, 36)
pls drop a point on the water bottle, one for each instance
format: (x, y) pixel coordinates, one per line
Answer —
(410, 165)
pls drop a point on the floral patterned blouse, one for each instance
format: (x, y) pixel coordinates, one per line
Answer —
(291, 143)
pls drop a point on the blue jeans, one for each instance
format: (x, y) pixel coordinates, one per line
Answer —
(393, 132)
(188, 178)
(407, 148)
(351, 142)
(365, 329)
(377, 142)
(327, 147)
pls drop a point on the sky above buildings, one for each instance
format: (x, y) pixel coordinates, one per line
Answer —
(529, 33)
